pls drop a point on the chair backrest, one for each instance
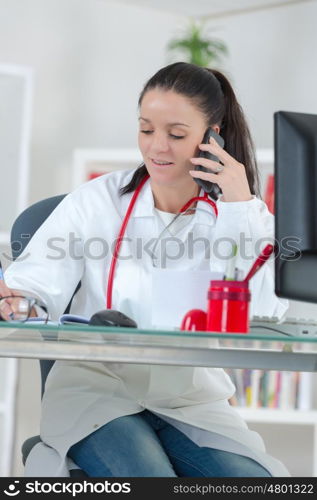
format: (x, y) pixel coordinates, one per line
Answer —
(24, 227)
(28, 222)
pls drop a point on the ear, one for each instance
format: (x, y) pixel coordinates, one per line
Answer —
(216, 128)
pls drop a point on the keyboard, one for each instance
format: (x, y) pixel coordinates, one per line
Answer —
(292, 327)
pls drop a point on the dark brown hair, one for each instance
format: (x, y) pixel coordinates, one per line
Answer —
(213, 95)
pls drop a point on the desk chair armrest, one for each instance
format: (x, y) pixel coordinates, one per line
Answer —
(31, 442)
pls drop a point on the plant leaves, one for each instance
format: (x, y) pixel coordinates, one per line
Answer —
(197, 47)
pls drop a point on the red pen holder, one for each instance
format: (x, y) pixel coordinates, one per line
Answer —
(228, 306)
(227, 311)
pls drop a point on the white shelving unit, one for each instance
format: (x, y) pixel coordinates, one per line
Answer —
(271, 416)
(9, 377)
(16, 95)
(93, 161)
(265, 160)
(288, 419)
(4, 237)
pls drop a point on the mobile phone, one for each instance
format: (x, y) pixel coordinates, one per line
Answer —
(209, 187)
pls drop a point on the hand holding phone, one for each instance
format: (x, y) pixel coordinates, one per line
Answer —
(209, 187)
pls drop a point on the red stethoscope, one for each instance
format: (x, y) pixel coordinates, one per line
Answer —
(125, 223)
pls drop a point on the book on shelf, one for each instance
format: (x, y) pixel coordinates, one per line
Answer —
(269, 193)
(305, 391)
(284, 390)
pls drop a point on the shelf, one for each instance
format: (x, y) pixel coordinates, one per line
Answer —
(9, 376)
(16, 102)
(277, 415)
(265, 156)
(86, 161)
(4, 237)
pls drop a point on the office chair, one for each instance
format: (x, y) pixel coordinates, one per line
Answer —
(22, 231)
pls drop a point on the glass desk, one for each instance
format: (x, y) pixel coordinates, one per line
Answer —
(127, 345)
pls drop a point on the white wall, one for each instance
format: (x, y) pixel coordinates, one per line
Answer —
(90, 60)
(272, 63)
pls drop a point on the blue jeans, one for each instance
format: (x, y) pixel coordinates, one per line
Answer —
(144, 445)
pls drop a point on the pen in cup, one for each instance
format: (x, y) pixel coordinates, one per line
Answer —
(238, 274)
(262, 258)
(231, 266)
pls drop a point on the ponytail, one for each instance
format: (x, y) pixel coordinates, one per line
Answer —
(137, 177)
(235, 132)
(213, 95)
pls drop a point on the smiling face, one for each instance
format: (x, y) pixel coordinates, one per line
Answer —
(171, 127)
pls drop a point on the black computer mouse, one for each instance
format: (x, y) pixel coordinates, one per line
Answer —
(110, 317)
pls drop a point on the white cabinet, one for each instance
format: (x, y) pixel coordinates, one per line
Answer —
(265, 161)
(280, 406)
(289, 435)
(16, 91)
(8, 389)
(88, 163)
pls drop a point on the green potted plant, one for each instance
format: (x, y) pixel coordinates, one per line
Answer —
(197, 47)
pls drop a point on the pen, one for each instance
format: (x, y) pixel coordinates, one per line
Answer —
(230, 271)
(262, 258)
(238, 274)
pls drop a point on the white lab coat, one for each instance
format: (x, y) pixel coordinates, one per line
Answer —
(71, 246)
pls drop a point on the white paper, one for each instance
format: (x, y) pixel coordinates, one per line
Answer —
(174, 293)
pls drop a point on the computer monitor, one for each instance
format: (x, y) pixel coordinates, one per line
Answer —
(295, 175)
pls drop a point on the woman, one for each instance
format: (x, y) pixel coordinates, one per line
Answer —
(139, 420)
